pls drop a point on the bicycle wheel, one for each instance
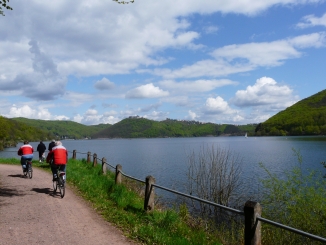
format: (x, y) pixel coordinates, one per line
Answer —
(55, 186)
(62, 187)
(30, 171)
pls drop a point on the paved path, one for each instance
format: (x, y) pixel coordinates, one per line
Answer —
(31, 214)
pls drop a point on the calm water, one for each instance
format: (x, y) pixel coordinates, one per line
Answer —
(166, 159)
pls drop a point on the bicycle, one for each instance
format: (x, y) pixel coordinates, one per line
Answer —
(29, 169)
(60, 182)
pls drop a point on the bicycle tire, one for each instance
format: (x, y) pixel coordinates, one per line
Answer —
(30, 172)
(62, 187)
(55, 186)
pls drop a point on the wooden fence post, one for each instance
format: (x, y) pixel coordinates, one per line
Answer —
(149, 193)
(252, 230)
(94, 159)
(103, 165)
(88, 157)
(74, 154)
(118, 175)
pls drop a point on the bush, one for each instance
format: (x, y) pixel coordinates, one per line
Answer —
(296, 199)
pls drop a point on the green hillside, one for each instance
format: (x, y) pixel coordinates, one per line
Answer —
(306, 117)
(64, 129)
(136, 127)
(11, 132)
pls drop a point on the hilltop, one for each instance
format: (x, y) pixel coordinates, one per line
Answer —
(138, 127)
(63, 129)
(306, 117)
(13, 131)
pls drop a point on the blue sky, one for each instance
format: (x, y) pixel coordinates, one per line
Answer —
(92, 62)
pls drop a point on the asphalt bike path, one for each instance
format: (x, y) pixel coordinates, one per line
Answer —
(30, 213)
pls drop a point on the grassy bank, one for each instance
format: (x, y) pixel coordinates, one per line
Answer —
(123, 207)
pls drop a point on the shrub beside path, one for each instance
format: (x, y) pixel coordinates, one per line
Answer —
(31, 214)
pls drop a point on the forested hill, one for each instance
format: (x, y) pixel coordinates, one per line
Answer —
(63, 129)
(306, 117)
(137, 127)
(11, 132)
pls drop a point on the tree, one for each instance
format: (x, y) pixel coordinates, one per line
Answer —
(214, 175)
(3, 3)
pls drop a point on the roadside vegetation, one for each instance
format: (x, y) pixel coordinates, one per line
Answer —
(297, 198)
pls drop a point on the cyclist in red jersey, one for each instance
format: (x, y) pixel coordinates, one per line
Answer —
(59, 155)
(26, 153)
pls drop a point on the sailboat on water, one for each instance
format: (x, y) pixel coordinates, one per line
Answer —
(246, 135)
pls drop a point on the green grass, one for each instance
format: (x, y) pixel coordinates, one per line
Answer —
(123, 207)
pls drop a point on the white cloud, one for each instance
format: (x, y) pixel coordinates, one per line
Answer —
(218, 106)
(312, 20)
(314, 40)
(196, 86)
(240, 58)
(92, 117)
(27, 111)
(210, 29)
(39, 53)
(266, 91)
(43, 82)
(177, 100)
(75, 99)
(104, 84)
(146, 91)
(204, 68)
(102, 43)
(157, 115)
(192, 115)
(258, 54)
(61, 118)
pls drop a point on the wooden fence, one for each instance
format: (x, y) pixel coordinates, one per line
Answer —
(252, 210)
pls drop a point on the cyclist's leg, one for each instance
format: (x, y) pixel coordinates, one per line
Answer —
(23, 163)
(63, 169)
(40, 156)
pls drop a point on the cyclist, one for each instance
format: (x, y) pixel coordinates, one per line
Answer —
(59, 157)
(26, 153)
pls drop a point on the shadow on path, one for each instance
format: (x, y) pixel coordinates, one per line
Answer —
(8, 192)
(16, 175)
(47, 191)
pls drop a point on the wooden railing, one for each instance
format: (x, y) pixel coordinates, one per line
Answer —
(252, 210)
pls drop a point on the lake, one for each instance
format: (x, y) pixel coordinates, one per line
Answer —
(166, 159)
